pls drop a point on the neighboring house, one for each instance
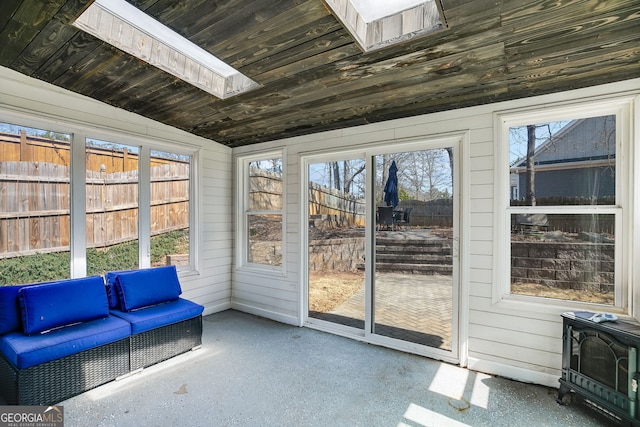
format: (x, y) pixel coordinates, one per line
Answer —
(581, 156)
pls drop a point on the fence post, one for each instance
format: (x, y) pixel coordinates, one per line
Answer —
(23, 146)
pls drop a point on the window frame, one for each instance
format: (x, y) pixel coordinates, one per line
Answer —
(621, 108)
(145, 145)
(79, 132)
(243, 208)
(193, 264)
(10, 118)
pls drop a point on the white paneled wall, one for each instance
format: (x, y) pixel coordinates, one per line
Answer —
(521, 341)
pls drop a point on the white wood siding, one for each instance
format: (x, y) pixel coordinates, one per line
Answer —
(210, 286)
(518, 340)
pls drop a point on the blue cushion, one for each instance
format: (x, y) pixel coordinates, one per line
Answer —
(51, 305)
(151, 286)
(10, 317)
(110, 279)
(25, 351)
(10, 313)
(156, 316)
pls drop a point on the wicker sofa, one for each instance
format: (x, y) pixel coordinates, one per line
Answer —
(59, 339)
(163, 325)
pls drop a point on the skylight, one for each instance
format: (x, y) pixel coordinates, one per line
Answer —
(372, 10)
(379, 23)
(131, 30)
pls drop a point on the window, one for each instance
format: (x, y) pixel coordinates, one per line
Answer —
(565, 203)
(263, 209)
(170, 208)
(131, 203)
(118, 226)
(112, 188)
(34, 204)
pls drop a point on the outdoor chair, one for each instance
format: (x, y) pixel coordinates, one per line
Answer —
(385, 217)
(404, 220)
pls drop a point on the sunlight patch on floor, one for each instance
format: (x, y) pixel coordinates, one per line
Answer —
(449, 381)
(134, 379)
(480, 392)
(428, 418)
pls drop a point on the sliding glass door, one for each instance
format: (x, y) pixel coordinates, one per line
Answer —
(413, 276)
(382, 244)
(336, 216)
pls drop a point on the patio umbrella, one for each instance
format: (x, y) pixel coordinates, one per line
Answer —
(391, 187)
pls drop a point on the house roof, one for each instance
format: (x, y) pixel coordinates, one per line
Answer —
(578, 141)
(313, 76)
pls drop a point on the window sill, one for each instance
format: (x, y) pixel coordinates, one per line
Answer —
(551, 307)
(259, 269)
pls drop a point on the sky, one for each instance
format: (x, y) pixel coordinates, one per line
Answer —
(518, 138)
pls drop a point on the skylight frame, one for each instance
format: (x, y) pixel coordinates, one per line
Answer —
(131, 30)
(407, 23)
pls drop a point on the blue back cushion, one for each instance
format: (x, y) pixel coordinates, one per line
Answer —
(146, 287)
(51, 305)
(10, 317)
(110, 279)
(10, 313)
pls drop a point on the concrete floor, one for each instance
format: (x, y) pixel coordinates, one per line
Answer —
(256, 372)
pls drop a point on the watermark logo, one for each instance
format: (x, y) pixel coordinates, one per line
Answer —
(31, 416)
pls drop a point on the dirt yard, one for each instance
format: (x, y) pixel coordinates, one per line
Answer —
(543, 291)
(329, 290)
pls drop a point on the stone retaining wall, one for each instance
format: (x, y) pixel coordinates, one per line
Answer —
(580, 266)
(336, 254)
(588, 266)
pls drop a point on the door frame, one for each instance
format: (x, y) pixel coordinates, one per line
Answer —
(460, 296)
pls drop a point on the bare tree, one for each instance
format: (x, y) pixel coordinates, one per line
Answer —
(450, 154)
(341, 175)
(427, 174)
(350, 177)
(336, 175)
(530, 192)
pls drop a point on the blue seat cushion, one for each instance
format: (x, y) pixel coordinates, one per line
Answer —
(156, 316)
(52, 305)
(150, 286)
(24, 351)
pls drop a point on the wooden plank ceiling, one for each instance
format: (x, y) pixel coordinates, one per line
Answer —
(313, 76)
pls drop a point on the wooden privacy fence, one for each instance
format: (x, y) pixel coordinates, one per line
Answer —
(35, 206)
(430, 213)
(20, 147)
(330, 207)
(265, 190)
(340, 208)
